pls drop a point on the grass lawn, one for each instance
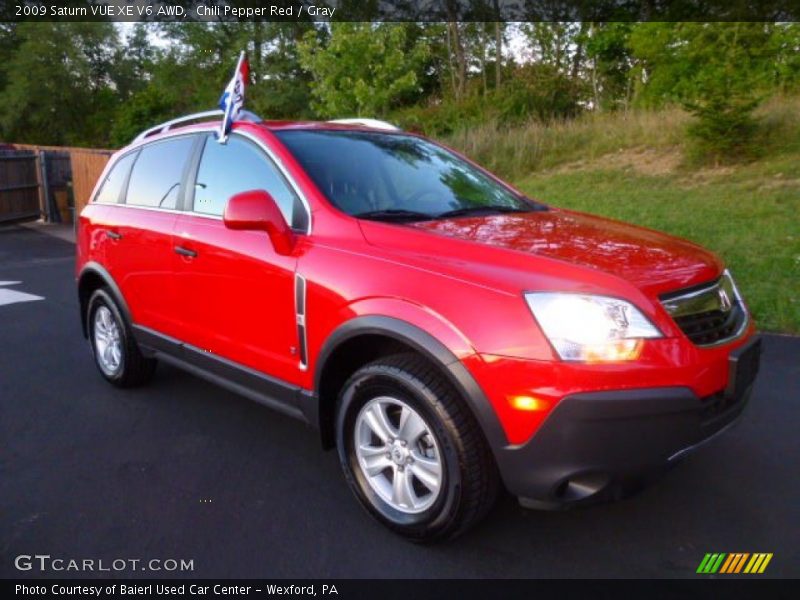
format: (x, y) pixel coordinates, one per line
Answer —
(749, 215)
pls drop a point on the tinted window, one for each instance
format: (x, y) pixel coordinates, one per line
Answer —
(239, 166)
(362, 172)
(156, 176)
(112, 184)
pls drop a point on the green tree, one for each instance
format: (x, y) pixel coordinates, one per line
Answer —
(720, 72)
(680, 62)
(552, 44)
(362, 69)
(538, 91)
(786, 40)
(434, 74)
(731, 65)
(8, 44)
(207, 54)
(610, 63)
(171, 90)
(191, 73)
(134, 62)
(59, 85)
(281, 87)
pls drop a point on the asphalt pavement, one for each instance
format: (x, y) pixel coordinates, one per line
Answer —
(182, 469)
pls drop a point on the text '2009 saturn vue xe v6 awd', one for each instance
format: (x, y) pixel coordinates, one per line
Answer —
(445, 333)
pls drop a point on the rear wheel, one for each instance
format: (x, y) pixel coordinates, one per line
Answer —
(412, 451)
(115, 352)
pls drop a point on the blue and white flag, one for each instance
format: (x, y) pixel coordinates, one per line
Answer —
(232, 98)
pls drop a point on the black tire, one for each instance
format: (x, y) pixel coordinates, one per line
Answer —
(470, 478)
(134, 369)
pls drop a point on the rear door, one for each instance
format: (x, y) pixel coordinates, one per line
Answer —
(140, 227)
(237, 294)
(98, 238)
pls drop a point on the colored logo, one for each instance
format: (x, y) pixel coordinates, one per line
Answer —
(737, 562)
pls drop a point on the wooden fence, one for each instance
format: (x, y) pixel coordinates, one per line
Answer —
(65, 179)
(19, 185)
(86, 169)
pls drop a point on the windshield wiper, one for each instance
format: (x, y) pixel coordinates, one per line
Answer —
(481, 210)
(394, 214)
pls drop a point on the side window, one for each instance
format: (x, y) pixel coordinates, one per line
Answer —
(156, 176)
(239, 166)
(112, 184)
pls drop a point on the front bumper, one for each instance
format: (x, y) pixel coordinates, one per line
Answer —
(592, 444)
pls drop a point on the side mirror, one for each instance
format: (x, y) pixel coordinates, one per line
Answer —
(257, 210)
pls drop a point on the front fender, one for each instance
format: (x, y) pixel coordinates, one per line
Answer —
(447, 358)
(421, 317)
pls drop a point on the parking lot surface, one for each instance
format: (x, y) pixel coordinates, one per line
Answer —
(185, 470)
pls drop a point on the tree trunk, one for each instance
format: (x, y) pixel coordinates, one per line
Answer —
(258, 40)
(450, 65)
(577, 58)
(558, 36)
(461, 60)
(498, 51)
(628, 93)
(595, 87)
(483, 42)
(455, 50)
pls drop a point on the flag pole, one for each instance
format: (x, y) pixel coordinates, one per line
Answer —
(223, 135)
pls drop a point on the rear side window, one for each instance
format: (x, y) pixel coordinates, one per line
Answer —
(238, 166)
(112, 185)
(157, 174)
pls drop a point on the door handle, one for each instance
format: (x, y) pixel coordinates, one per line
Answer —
(185, 251)
(113, 235)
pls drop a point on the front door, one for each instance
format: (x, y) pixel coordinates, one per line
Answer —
(236, 293)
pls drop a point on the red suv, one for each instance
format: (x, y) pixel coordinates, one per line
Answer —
(443, 331)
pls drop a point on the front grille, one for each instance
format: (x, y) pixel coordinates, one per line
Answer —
(708, 314)
(712, 326)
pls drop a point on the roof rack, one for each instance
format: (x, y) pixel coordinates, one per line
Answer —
(374, 123)
(244, 115)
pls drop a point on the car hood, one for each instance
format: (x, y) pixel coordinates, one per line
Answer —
(653, 261)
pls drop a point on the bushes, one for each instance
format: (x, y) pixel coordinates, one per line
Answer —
(719, 72)
(444, 117)
(531, 92)
(724, 130)
(538, 92)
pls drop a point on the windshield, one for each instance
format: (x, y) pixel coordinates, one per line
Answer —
(390, 176)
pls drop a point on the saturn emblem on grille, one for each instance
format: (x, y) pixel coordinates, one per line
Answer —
(725, 303)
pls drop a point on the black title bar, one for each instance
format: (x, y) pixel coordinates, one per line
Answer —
(399, 10)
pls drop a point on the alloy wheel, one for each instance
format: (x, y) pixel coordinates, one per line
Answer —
(107, 341)
(398, 454)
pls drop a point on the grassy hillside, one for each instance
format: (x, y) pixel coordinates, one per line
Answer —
(631, 167)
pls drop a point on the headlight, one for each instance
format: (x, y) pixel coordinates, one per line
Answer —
(590, 328)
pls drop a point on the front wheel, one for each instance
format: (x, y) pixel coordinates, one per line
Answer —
(412, 451)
